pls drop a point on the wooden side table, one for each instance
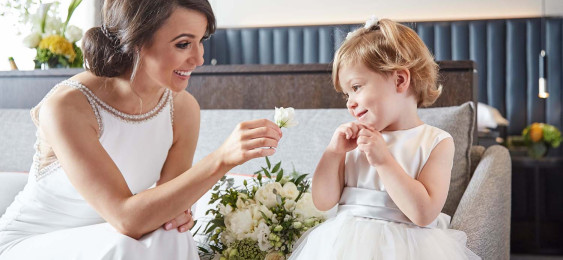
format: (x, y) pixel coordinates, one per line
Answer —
(537, 205)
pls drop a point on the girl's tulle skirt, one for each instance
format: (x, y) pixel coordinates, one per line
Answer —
(349, 237)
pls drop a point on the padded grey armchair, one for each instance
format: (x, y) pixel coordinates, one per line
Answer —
(479, 199)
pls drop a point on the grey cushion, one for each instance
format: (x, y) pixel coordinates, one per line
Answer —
(301, 146)
(11, 183)
(459, 122)
(17, 136)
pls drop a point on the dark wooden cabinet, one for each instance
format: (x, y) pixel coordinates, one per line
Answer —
(537, 205)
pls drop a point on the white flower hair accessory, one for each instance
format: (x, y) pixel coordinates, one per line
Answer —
(372, 21)
(285, 117)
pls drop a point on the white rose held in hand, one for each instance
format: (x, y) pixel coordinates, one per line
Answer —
(285, 117)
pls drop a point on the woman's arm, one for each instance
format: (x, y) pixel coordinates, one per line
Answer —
(71, 129)
(181, 154)
(186, 133)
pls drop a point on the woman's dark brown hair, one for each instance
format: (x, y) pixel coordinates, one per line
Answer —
(111, 49)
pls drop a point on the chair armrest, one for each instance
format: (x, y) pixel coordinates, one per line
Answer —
(484, 210)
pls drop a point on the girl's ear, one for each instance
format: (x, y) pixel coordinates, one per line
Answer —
(402, 80)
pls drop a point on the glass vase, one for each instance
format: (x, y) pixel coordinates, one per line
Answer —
(537, 150)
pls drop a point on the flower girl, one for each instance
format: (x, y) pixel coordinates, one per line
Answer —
(388, 171)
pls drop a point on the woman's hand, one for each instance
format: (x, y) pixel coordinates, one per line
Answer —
(182, 222)
(249, 140)
(371, 143)
(344, 138)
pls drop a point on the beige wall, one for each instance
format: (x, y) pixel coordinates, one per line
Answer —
(248, 13)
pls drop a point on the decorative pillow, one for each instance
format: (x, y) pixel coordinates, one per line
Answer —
(489, 117)
(16, 140)
(11, 183)
(459, 121)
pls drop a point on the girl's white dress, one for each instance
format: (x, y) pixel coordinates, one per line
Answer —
(49, 219)
(368, 225)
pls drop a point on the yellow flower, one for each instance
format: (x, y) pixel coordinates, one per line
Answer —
(58, 45)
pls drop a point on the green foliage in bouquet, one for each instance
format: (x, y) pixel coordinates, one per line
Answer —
(262, 219)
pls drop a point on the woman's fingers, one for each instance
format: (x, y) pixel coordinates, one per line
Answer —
(259, 142)
(189, 224)
(263, 131)
(179, 221)
(259, 123)
(249, 140)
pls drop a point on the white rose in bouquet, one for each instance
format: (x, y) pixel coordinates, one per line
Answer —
(305, 209)
(239, 223)
(262, 234)
(266, 194)
(290, 191)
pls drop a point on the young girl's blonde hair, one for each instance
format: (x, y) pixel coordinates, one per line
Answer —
(385, 47)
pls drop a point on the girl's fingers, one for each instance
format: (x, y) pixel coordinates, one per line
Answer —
(362, 140)
(366, 132)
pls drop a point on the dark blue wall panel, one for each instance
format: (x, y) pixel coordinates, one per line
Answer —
(326, 45)
(535, 105)
(207, 52)
(554, 70)
(234, 47)
(478, 53)
(496, 84)
(442, 41)
(249, 45)
(219, 48)
(426, 33)
(516, 76)
(460, 41)
(281, 47)
(295, 45)
(340, 33)
(266, 46)
(310, 45)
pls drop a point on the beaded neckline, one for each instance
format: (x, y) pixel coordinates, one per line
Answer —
(164, 99)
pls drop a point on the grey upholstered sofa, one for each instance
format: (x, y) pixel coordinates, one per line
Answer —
(479, 198)
(480, 189)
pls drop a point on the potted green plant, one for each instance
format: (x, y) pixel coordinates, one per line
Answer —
(539, 137)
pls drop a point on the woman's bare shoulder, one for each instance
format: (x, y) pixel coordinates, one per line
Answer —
(65, 105)
(186, 107)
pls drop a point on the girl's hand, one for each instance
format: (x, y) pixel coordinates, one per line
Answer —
(344, 138)
(371, 143)
(183, 222)
(249, 140)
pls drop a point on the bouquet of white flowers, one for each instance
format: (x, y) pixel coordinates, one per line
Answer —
(259, 220)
